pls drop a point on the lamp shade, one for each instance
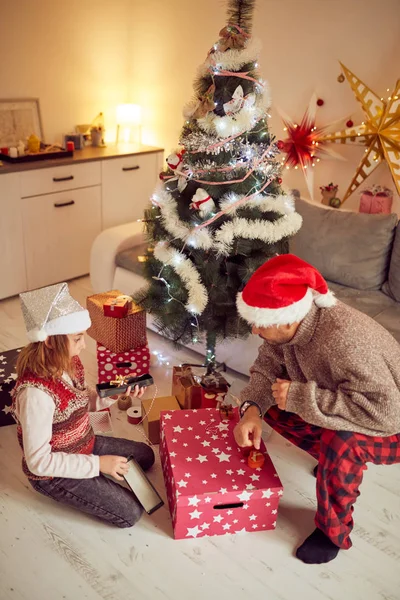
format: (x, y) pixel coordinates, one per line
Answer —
(129, 114)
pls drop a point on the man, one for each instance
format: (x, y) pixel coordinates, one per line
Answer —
(327, 378)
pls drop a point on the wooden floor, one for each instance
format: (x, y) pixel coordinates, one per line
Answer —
(50, 552)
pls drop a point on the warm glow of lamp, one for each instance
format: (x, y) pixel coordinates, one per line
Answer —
(129, 118)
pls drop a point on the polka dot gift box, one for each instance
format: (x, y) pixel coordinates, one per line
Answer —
(211, 487)
(131, 362)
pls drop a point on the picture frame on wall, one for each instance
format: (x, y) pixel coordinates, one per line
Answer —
(19, 118)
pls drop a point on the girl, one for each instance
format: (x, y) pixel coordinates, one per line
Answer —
(62, 457)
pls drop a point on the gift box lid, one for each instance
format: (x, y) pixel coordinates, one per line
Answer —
(204, 456)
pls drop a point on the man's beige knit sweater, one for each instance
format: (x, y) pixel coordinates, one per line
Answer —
(345, 373)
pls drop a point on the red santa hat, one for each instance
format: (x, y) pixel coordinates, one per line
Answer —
(282, 291)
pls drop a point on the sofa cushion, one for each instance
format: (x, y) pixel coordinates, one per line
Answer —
(129, 259)
(349, 248)
(392, 286)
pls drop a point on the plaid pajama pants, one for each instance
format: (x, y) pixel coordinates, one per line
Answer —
(342, 458)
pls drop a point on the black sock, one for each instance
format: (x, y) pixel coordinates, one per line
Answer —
(315, 471)
(317, 549)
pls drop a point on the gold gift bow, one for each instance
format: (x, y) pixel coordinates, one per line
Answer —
(120, 380)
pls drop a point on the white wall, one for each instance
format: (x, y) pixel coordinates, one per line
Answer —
(302, 42)
(81, 57)
(71, 54)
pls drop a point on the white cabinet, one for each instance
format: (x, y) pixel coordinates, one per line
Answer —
(59, 230)
(51, 213)
(127, 185)
(12, 256)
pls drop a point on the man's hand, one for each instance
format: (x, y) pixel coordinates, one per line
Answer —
(248, 431)
(114, 466)
(280, 391)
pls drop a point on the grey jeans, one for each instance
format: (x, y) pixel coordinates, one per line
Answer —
(100, 496)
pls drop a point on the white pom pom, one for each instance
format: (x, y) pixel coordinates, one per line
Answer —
(325, 300)
(41, 335)
(202, 202)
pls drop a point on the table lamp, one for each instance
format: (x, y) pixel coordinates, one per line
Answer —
(129, 121)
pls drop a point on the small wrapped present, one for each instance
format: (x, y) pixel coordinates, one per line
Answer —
(328, 193)
(132, 362)
(211, 488)
(117, 307)
(118, 335)
(151, 412)
(120, 384)
(195, 388)
(376, 200)
(8, 377)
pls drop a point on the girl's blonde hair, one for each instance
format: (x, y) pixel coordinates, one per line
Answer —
(49, 359)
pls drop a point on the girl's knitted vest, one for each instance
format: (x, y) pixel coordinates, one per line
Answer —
(72, 431)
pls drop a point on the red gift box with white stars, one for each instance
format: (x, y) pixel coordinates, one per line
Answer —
(110, 364)
(210, 487)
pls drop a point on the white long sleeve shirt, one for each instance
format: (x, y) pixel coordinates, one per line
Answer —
(34, 411)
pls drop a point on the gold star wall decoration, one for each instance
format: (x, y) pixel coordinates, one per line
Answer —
(380, 133)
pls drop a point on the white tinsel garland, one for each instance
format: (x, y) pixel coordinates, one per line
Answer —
(257, 229)
(282, 204)
(242, 121)
(197, 293)
(232, 60)
(177, 228)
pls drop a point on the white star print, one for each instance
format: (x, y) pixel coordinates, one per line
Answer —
(190, 428)
(195, 514)
(173, 454)
(2, 357)
(230, 512)
(226, 526)
(274, 524)
(213, 476)
(185, 445)
(253, 517)
(178, 429)
(224, 435)
(280, 493)
(196, 437)
(205, 526)
(212, 420)
(244, 496)
(229, 448)
(182, 483)
(193, 501)
(167, 416)
(187, 416)
(267, 493)
(268, 504)
(204, 482)
(254, 477)
(250, 486)
(174, 440)
(240, 472)
(202, 422)
(215, 450)
(223, 427)
(193, 531)
(205, 443)
(218, 519)
(207, 500)
(7, 409)
(245, 506)
(187, 475)
(14, 376)
(229, 472)
(189, 459)
(214, 437)
(255, 526)
(201, 458)
(274, 512)
(235, 487)
(223, 491)
(223, 457)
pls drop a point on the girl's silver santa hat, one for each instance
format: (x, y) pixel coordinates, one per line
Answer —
(52, 311)
(282, 292)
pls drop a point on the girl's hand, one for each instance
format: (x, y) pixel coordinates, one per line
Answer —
(116, 466)
(137, 392)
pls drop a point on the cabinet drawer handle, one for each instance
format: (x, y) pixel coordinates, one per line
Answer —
(134, 168)
(57, 179)
(61, 204)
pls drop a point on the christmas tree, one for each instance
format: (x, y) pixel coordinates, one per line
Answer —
(219, 211)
